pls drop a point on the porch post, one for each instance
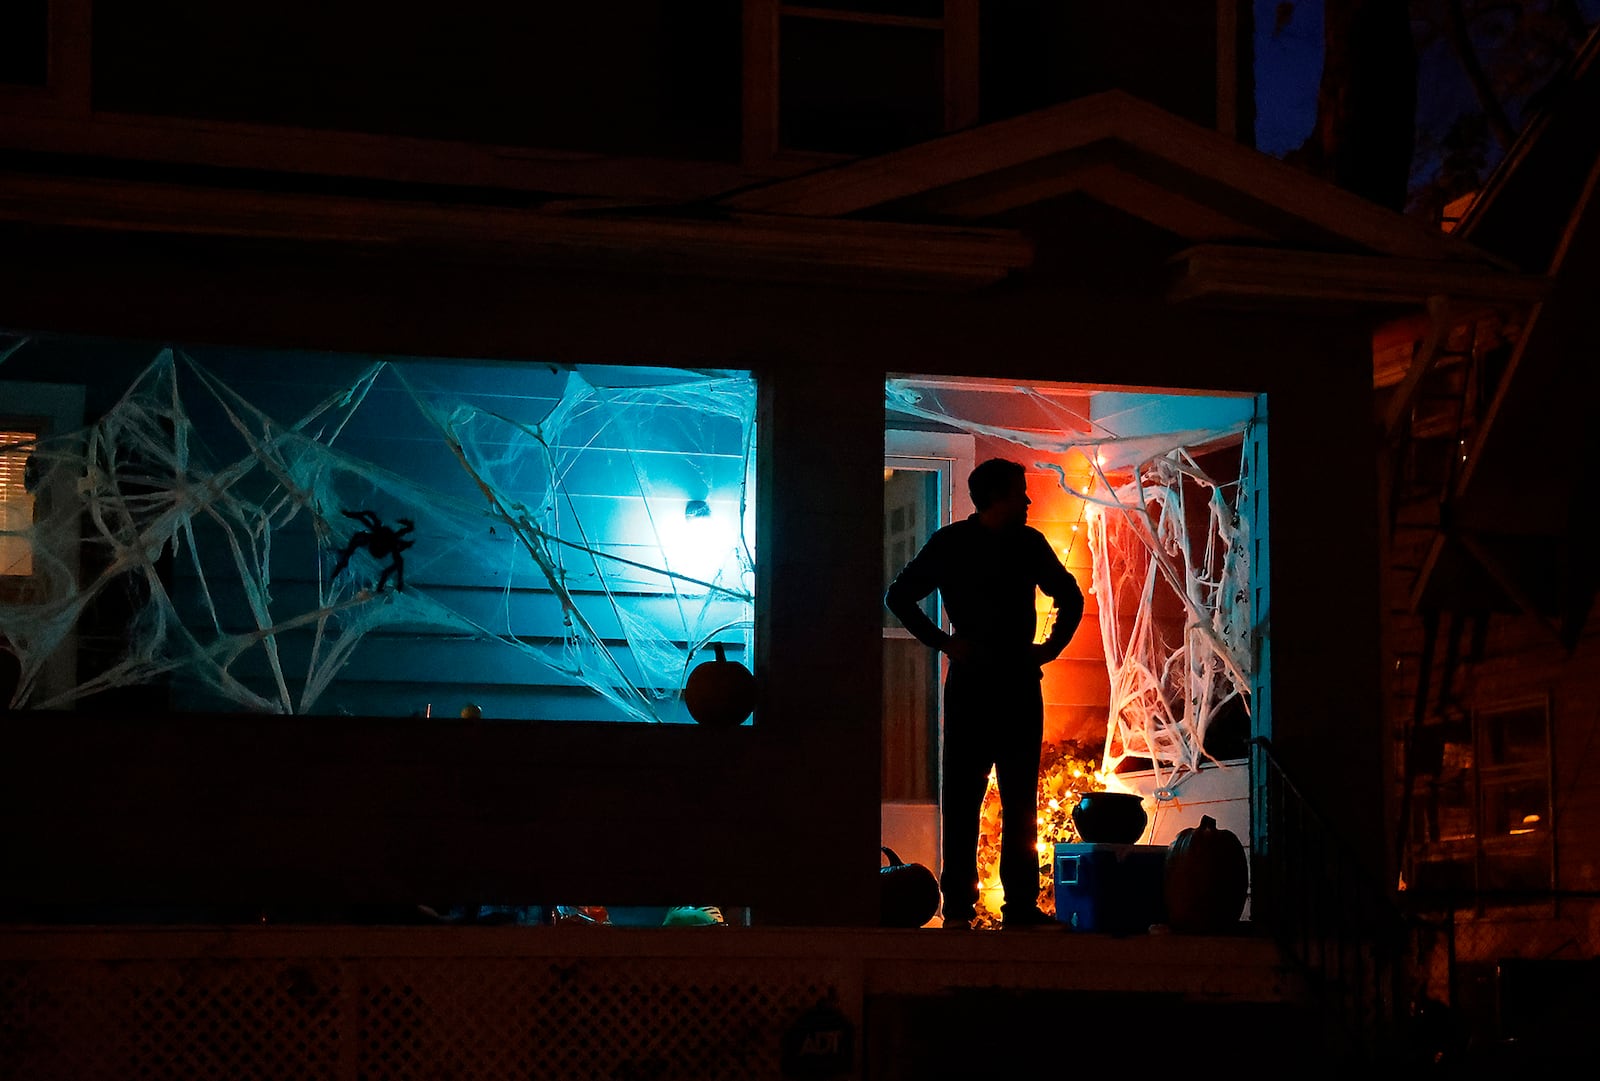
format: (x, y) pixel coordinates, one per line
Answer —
(819, 587)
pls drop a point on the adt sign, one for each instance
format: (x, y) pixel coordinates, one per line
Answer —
(820, 1043)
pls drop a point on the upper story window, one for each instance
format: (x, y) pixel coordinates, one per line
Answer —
(637, 77)
(864, 76)
(1481, 808)
(710, 92)
(24, 42)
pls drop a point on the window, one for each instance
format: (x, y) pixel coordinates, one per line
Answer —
(321, 533)
(1481, 819)
(857, 76)
(37, 561)
(645, 77)
(24, 42)
(16, 503)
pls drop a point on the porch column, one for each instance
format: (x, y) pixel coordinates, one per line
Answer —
(819, 587)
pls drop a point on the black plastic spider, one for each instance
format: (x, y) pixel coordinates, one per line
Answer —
(380, 542)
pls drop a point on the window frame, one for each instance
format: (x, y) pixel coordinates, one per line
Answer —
(1473, 850)
(763, 54)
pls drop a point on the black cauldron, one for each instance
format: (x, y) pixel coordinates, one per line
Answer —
(1111, 818)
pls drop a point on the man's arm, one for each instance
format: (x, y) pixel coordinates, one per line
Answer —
(1058, 583)
(904, 598)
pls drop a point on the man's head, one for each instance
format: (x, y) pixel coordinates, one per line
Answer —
(999, 489)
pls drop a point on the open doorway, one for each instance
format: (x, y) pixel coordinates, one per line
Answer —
(1152, 502)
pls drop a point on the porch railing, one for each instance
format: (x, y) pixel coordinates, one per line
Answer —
(1332, 918)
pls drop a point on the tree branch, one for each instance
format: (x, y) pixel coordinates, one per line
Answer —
(1460, 39)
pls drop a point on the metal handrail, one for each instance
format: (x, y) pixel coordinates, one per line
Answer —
(1348, 937)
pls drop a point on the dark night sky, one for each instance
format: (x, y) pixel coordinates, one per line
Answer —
(1289, 66)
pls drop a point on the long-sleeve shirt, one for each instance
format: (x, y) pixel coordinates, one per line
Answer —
(987, 579)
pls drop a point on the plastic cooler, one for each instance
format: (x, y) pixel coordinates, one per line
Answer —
(1113, 888)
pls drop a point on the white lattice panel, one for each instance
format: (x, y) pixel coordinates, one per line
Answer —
(405, 1019)
(591, 1018)
(173, 1020)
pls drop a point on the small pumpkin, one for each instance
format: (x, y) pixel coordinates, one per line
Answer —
(908, 894)
(1206, 878)
(720, 693)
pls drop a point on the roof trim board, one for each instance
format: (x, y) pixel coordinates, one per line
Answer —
(1217, 272)
(1109, 117)
(759, 246)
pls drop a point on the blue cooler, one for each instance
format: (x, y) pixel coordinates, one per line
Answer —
(1110, 888)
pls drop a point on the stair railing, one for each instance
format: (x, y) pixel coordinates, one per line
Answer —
(1334, 920)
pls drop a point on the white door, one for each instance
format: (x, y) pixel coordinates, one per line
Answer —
(924, 487)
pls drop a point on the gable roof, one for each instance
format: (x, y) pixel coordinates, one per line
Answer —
(1121, 151)
(1114, 191)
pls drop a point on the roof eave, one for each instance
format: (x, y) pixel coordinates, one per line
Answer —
(1214, 272)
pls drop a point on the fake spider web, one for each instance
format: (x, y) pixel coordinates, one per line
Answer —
(1165, 536)
(1167, 692)
(552, 562)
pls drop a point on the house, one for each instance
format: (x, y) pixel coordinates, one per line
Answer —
(810, 207)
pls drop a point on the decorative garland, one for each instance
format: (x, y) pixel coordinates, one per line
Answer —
(1066, 770)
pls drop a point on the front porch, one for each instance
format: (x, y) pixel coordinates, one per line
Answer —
(485, 1003)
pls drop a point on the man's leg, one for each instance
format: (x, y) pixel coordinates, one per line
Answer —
(1017, 776)
(965, 780)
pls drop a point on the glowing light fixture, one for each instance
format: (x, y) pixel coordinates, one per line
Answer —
(701, 545)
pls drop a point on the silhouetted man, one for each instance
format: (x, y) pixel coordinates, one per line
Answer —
(986, 568)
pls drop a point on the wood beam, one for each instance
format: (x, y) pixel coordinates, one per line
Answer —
(1422, 362)
(768, 247)
(1213, 272)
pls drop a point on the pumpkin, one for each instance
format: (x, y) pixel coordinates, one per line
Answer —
(908, 894)
(720, 693)
(1206, 878)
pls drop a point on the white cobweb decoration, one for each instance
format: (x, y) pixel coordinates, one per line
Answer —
(185, 481)
(1165, 695)
(1153, 550)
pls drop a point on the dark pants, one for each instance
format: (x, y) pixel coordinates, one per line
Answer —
(991, 719)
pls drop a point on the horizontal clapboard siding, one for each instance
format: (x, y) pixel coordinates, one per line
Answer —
(465, 662)
(524, 613)
(436, 698)
(480, 620)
